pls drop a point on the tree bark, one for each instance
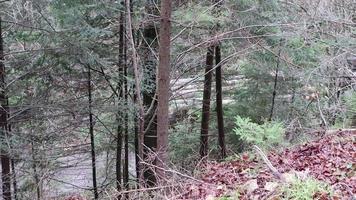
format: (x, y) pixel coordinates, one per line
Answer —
(120, 127)
(219, 105)
(4, 110)
(91, 133)
(126, 118)
(206, 102)
(149, 80)
(163, 86)
(141, 120)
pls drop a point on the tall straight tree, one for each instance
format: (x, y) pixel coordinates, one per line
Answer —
(149, 81)
(126, 131)
(139, 102)
(126, 114)
(125, 90)
(163, 85)
(204, 134)
(91, 134)
(219, 106)
(120, 125)
(4, 110)
(218, 79)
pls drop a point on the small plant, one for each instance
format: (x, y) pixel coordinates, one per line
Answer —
(305, 189)
(265, 135)
(234, 196)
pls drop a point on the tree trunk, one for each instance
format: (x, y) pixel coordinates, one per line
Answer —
(137, 147)
(149, 100)
(274, 93)
(126, 119)
(14, 182)
(141, 120)
(13, 164)
(206, 102)
(120, 127)
(163, 86)
(5, 158)
(219, 105)
(91, 133)
(126, 135)
(35, 173)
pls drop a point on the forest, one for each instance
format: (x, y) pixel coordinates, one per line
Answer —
(177, 99)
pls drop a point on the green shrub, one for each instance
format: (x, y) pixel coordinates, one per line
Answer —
(305, 189)
(266, 135)
(350, 102)
(183, 145)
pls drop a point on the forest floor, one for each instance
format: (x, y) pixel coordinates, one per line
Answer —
(331, 160)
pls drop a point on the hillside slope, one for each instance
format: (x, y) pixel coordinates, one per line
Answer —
(330, 160)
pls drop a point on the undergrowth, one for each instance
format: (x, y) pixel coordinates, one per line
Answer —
(307, 189)
(266, 135)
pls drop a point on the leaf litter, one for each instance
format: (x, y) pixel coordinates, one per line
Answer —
(331, 159)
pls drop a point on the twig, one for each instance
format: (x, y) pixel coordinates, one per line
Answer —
(274, 171)
(147, 189)
(321, 112)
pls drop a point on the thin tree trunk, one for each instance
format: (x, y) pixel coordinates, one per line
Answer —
(163, 86)
(137, 122)
(118, 159)
(91, 133)
(126, 137)
(219, 105)
(35, 174)
(126, 121)
(275, 86)
(13, 165)
(5, 158)
(120, 127)
(137, 148)
(206, 103)
(14, 182)
(141, 113)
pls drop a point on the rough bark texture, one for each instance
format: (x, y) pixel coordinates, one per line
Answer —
(4, 110)
(219, 105)
(206, 102)
(163, 86)
(91, 133)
